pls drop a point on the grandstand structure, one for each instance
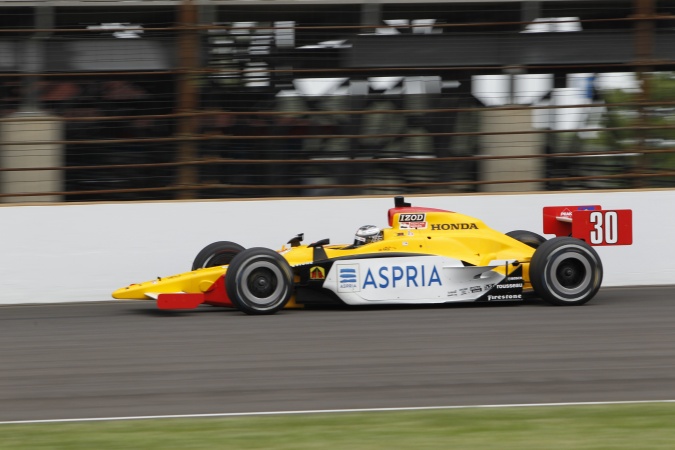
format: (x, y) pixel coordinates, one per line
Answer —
(193, 99)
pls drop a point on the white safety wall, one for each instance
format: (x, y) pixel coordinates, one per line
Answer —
(70, 252)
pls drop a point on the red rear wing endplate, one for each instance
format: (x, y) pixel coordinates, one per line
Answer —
(605, 227)
(590, 223)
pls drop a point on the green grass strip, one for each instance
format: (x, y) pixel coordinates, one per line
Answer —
(626, 426)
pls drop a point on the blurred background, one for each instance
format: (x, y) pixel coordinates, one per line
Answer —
(155, 100)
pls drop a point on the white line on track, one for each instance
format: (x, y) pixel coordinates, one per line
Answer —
(327, 411)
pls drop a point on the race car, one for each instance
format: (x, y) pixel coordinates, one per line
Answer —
(425, 256)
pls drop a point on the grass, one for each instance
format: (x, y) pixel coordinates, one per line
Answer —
(628, 426)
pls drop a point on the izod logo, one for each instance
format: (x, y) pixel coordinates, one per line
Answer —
(412, 218)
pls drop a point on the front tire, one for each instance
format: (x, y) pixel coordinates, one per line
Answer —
(216, 254)
(259, 281)
(566, 271)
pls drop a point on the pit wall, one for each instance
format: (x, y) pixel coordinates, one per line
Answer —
(82, 252)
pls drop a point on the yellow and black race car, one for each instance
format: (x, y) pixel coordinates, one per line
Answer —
(426, 255)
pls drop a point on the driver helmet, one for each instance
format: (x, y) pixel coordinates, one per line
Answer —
(367, 234)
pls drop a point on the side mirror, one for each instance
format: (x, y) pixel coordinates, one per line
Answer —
(295, 242)
(320, 243)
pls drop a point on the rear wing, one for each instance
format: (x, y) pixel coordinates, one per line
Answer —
(590, 223)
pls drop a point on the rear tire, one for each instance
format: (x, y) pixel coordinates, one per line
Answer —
(259, 281)
(566, 271)
(216, 254)
(534, 240)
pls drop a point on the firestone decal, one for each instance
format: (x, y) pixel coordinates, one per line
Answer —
(510, 289)
(505, 297)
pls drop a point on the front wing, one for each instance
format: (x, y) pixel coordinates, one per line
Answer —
(183, 291)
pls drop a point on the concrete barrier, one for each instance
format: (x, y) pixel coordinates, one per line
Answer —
(71, 252)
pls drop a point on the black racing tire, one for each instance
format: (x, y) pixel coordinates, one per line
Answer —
(534, 240)
(259, 281)
(565, 271)
(216, 254)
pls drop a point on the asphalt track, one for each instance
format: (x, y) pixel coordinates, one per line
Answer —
(125, 358)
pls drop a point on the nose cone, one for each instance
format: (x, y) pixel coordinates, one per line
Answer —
(135, 291)
(197, 281)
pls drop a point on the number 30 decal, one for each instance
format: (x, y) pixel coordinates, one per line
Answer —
(604, 227)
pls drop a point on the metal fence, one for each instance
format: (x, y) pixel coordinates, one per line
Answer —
(186, 100)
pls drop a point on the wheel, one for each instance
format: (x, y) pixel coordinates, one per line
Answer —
(534, 240)
(259, 281)
(565, 271)
(216, 254)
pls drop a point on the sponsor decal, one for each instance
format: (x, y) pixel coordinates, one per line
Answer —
(510, 286)
(348, 277)
(472, 290)
(412, 221)
(412, 218)
(586, 208)
(505, 297)
(401, 276)
(413, 225)
(317, 273)
(566, 213)
(453, 226)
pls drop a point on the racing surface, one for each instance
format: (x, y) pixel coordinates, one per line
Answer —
(125, 358)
